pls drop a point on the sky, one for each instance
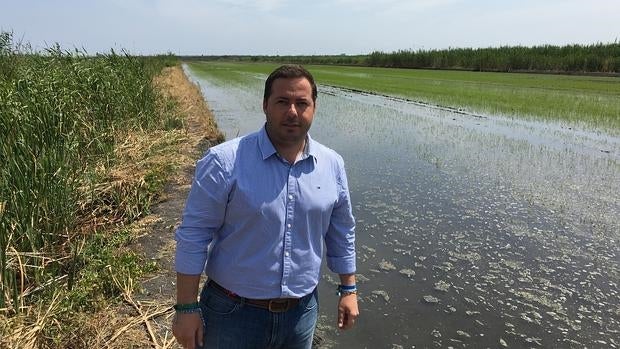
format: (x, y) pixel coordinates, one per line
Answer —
(296, 27)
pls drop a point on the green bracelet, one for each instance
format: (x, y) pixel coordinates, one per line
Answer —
(187, 308)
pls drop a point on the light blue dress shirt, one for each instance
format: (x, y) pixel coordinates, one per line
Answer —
(259, 222)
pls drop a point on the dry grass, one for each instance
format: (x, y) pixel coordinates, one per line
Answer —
(154, 316)
(143, 159)
(201, 126)
(127, 193)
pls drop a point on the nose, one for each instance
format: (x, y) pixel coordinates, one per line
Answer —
(292, 110)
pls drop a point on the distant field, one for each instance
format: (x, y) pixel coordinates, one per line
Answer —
(578, 100)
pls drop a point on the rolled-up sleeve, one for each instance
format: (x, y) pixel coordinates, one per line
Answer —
(203, 215)
(340, 236)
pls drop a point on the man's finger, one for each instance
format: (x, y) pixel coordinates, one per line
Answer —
(200, 336)
(348, 323)
(340, 318)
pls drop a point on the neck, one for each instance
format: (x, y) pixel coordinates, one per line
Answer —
(290, 152)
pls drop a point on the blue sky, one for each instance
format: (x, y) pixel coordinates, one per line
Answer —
(306, 27)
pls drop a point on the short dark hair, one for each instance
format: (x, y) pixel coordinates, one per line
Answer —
(289, 71)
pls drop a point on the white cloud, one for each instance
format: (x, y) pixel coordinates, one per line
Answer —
(308, 27)
(394, 7)
(262, 5)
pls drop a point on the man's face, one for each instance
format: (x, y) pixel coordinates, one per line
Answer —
(289, 111)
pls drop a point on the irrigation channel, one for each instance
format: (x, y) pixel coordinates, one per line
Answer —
(472, 231)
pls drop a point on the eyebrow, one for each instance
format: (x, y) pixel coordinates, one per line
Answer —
(279, 98)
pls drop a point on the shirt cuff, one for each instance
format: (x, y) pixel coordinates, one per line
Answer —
(190, 263)
(342, 265)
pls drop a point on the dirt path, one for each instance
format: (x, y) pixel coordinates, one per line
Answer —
(156, 239)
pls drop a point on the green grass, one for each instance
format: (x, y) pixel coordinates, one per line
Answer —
(589, 101)
(236, 73)
(86, 147)
(98, 265)
(63, 116)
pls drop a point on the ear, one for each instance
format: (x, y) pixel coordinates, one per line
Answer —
(265, 106)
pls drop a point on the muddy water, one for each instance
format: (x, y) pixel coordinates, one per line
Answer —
(472, 231)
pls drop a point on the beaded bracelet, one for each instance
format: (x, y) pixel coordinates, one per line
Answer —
(187, 308)
(345, 290)
(347, 287)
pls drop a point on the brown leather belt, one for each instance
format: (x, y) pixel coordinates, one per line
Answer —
(275, 305)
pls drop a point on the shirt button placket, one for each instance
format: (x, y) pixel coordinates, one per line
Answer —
(290, 211)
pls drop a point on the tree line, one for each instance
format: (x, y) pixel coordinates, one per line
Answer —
(595, 58)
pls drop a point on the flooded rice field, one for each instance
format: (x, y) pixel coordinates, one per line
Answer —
(472, 231)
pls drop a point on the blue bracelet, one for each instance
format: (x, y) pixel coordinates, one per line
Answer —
(344, 290)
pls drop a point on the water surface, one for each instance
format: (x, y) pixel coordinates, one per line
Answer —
(472, 231)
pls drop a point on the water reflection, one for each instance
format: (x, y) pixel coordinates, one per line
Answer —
(472, 231)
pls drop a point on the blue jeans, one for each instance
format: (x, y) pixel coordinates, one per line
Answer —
(232, 324)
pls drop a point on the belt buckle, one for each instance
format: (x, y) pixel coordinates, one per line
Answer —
(278, 305)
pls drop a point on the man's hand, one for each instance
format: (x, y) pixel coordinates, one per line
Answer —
(187, 327)
(188, 330)
(347, 311)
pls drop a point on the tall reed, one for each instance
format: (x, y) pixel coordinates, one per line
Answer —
(61, 113)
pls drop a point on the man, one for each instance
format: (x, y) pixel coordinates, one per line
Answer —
(259, 212)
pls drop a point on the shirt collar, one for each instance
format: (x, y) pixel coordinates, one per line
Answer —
(310, 149)
(264, 144)
(267, 149)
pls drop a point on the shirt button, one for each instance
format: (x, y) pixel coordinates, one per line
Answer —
(288, 225)
(290, 197)
(286, 254)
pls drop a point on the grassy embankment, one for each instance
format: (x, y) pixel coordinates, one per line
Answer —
(86, 146)
(588, 101)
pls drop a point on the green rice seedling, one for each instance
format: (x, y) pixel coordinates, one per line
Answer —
(581, 101)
